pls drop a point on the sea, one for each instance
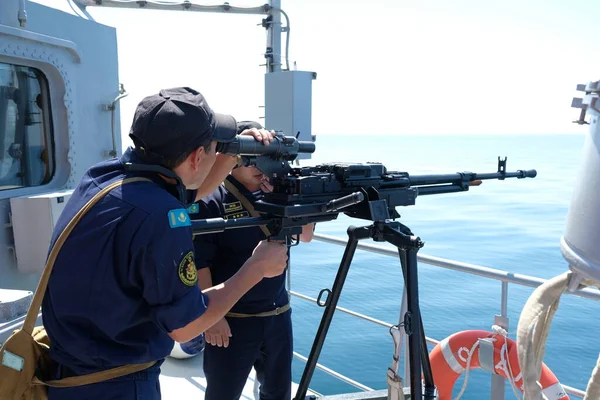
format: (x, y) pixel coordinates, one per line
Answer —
(513, 225)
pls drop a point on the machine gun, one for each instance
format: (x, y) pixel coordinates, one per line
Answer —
(365, 191)
(318, 194)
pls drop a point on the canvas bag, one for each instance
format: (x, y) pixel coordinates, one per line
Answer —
(25, 363)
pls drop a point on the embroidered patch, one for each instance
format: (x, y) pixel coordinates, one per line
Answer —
(179, 218)
(242, 214)
(193, 209)
(187, 270)
(233, 207)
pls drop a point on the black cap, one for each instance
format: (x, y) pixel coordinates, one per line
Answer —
(176, 121)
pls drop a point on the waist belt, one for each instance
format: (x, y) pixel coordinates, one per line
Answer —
(66, 372)
(277, 311)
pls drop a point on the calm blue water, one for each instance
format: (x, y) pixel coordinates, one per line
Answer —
(513, 225)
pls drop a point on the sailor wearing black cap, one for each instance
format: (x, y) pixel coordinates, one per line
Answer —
(124, 285)
(257, 332)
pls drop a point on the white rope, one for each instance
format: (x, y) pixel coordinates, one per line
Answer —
(511, 378)
(533, 329)
(469, 357)
(500, 331)
(593, 388)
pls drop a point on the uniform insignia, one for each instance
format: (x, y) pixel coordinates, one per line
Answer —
(233, 207)
(242, 214)
(193, 209)
(179, 218)
(187, 270)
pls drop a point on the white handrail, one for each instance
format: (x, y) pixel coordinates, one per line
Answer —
(504, 276)
(490, 273)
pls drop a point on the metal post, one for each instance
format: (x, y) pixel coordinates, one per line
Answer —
(274, 38)
(504, 301)
(498, 382)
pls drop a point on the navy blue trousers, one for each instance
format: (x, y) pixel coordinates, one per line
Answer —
(265, 343)
(143, 385)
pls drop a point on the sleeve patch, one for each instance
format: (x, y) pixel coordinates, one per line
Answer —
(187, 270)
(179, 218)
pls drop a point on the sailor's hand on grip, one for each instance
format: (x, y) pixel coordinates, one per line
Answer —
(271, 258)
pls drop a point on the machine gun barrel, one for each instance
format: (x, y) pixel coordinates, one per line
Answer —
(419, 180)
(460, 182)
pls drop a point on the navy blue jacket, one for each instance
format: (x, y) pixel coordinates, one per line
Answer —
(125, 276)
(224, 253)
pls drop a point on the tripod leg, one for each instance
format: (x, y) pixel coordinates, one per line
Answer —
(354, 235)
(417, 347)
(412, 326)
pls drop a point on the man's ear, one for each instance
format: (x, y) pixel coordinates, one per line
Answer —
(197, 157)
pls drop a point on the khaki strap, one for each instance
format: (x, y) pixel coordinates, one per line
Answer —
(95, 377)
(36, 303)
(277, 311)
(246, 203)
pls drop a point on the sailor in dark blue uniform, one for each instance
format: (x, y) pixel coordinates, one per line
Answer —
(124, 285)
(258, 330)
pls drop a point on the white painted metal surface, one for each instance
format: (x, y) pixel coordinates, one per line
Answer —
(579, 244)
(76, 60)
(33, 219)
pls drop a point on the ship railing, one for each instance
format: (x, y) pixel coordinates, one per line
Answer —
(505, 278)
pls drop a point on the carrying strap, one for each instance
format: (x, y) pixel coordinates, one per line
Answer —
(394, 381)
(36, 303)
(95, 377)
(246, 203)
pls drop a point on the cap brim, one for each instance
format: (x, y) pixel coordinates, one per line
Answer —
(225, 128)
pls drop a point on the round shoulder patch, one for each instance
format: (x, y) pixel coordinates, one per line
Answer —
(187, 270)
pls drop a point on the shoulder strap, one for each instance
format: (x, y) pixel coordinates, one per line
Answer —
(246, 203)
(36, 303)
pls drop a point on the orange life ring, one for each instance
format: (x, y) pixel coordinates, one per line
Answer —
(449, 360)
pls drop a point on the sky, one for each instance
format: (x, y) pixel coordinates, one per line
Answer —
(383, 66)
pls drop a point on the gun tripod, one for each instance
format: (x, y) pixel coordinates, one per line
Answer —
(408, 245)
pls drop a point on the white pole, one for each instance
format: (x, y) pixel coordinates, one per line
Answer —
(274, 38)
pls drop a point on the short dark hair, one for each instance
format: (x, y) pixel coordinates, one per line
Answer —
(174, 162)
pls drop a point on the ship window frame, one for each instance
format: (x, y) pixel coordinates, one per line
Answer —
(46, 137)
